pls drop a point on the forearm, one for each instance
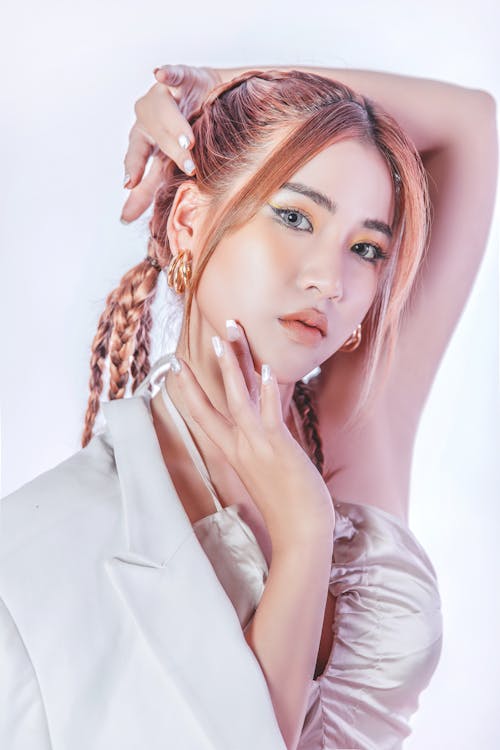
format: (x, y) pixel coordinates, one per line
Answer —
(285, 631)
(431, 112)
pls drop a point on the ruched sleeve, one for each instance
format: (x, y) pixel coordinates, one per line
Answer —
(23, 723)
(387, 635)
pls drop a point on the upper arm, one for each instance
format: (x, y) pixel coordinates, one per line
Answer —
(462, 182)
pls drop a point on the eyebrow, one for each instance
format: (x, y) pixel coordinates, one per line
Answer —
(324, 201)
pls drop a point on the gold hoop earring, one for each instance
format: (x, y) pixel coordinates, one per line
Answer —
(179, 271)
(353, 341)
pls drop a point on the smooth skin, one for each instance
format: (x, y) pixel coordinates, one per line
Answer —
(269, 268)
(278, 263)
(454, 129)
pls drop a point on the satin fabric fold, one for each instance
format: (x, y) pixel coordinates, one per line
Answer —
(387, 626)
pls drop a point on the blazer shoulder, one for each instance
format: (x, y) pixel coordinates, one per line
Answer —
(84, 483)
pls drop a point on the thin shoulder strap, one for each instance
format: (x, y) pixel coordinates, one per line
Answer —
(190, 444)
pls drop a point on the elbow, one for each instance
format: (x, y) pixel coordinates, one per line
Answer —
(476, 123)
(484, 103)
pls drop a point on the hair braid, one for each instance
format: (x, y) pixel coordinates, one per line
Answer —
(124, 329)
(303, 396)
(126, 320)
(99, 348)
(237, 170)
(140, 365)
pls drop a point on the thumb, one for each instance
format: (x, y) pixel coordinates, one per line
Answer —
(172, 75)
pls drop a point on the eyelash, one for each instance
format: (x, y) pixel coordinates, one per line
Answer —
(380, 254)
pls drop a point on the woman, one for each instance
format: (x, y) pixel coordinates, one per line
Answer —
(308, 203)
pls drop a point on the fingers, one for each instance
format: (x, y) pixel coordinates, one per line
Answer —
(160, 125)
(239, 342)
(159, 117)
(266, 391)
(270, 402)
(255, 417)
(215, 425)
(140, 148)
(243, 410)
(142, 195)
(252, 404)
(172, 75)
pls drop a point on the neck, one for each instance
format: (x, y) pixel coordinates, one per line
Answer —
(219, 401)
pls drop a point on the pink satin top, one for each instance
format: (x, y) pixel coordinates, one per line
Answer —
(387, 630)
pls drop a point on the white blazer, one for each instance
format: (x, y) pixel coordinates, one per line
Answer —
(115, 632)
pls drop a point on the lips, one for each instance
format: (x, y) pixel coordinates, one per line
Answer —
(309, 317)
(301, 333)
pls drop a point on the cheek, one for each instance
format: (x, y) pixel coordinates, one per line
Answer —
(361, 284)
(240, 276)
(248, 264)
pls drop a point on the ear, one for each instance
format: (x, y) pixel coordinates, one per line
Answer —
(186, 218)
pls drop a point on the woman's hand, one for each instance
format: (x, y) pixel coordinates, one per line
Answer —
(279, 476)
(161, 119)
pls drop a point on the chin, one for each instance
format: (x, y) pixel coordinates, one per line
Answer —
(289, 361)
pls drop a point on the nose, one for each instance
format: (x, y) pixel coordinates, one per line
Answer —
(325, 273)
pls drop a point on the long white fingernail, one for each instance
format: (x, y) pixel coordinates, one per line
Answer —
(183, 141)
(218, 346)
(266, 373)
(233, 332)
(188, 165)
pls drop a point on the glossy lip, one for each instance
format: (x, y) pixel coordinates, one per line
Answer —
(302, 333)
(311, 317)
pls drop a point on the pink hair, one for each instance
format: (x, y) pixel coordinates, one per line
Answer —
(235, 129)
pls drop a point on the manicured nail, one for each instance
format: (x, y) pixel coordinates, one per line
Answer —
(188, 165)
(175, 365)
(124, 221)
(233, 332)
(126, 179)
(218, 346)
(266, 373)
(183, 141)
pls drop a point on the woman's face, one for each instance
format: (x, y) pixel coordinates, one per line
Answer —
(301, 251)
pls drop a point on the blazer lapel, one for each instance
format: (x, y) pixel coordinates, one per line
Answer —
(172, 592)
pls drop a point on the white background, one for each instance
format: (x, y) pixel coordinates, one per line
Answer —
(71, 75)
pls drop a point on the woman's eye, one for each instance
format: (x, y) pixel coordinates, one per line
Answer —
(376, 252)
(293, 218)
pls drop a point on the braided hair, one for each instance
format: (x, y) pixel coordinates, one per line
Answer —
(304, 398)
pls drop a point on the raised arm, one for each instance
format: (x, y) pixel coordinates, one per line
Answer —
(431, 112)
(454, 129)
